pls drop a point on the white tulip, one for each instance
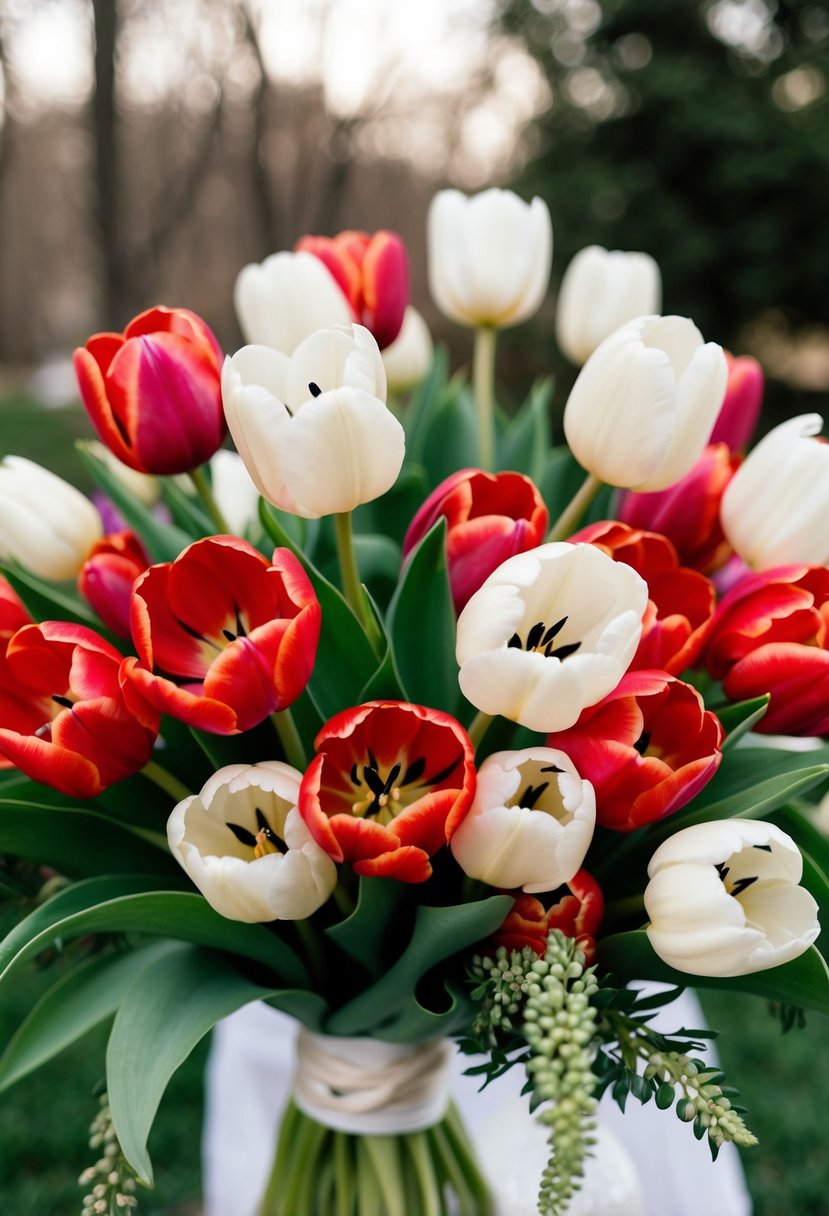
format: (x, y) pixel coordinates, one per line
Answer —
(244, 844)
(45, 524)
(530, 824)
(775, 510)
(236, 496)
(409, 357)
(313, 430)
(143, 486)
(723, 899)
(550, 632)
(645, 402)
(287, 297)
(600, 291)
(489, 256)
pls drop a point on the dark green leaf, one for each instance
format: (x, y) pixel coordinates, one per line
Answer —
(186, 509)
(307, 1007)
(740, 717)
(452, 439)
(425, 400)
(167, 1010)
(375, 924)
(524, 444)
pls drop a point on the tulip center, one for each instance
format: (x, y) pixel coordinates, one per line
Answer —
(384, 791)
(61, 702)
(545, 796)
(263, 841)
(542, 640)
(734, 881)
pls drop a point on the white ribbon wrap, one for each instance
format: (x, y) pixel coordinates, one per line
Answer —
(371, 1088)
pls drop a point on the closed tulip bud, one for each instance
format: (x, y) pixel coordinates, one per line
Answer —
(688, 512)
(313, 430)
(489, 516)
(724, 899)
(642, 408)
(776, 507)
(600, 291)
(648, 748)
(243, 843)
(530, 823)
(489, 256)
(741, 407)
(286, 298)
(408, 358)
(549, 632)
(373, 274)
(154, 392)
(45, 524)
(107, 577)
(236, 496)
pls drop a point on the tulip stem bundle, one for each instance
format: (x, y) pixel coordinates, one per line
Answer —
(211, 506)
(574, 512)
(483, 372)
(285, 727)
(479, 726)
(165, 781)
(352, 586)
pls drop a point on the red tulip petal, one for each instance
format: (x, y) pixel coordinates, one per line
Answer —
(406, 864)
(41, 760)
(385, 273)
(187, 705)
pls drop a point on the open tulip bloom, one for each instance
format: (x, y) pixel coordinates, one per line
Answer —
(441, 755)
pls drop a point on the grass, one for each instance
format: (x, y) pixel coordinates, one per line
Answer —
(46, 436)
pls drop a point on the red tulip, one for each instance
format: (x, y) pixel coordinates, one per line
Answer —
(490, 517)
(681, 601)
(154, 392)
(224, 637)
(107, 576)
(741, 405)
(372, 273)
(688, 513)
(388, 787)
(13, 614)
(64, 718)
(577, 914)
(648, 748)
(771, 635)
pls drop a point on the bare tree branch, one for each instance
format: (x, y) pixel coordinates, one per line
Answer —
(271, 234)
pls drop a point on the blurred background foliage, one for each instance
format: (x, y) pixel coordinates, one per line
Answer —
(149, 148)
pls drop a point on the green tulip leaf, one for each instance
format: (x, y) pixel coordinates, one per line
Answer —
(438, 934)
(186, 509)
(740, 717)
(167, 1010)
(80, 1000)
(163, 541)
(803, 982)
(524, 444)
(309, 1008)
(425, 400)
(452, 439)
(415, 1022)
(78, 842)
(371, 933)
(184, 915)
(422, 624)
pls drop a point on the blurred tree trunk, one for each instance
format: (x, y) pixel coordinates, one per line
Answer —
(107, 185)
(271, 235)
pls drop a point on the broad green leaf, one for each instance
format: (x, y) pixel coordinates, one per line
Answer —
(740, 717)
(52, 601)
(528, 436)
(422, 625)
(78, 842)
(803, 982)
(415, 1022)
(163, 541)
(452, 439)
(167, 1010)
(178, 914)
(392, 513)
(186, 509)
(438, 934)
(249, 747)
(309, 1008)
(80, 1000)
(345, 660)
(425, 400)
(378, 922)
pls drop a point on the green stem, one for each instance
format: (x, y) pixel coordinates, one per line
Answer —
(424, 1168)
(343, 1174)
(206, 495)
(465, 1154)
(282, 1159)
(315, 953)
(350, 575)
(344, 901)
(289, 738)
(384, 1154)
(483, 374)
(571, 516)
(171, 785)
(479, 726)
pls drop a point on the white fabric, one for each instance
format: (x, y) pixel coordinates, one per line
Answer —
(370, 1088)
(249, 1079)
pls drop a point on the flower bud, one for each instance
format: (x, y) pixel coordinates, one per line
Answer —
(286, 298)
(45, 524)
(489, 256)
(776, 507)
(107, 577)
(642, 408)
(154, 392)
(600, 291)
(408, 358)
(724, 899)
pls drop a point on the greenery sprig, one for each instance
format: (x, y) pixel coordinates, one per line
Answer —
(110, 1183)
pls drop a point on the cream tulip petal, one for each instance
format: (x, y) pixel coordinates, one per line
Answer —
(237, 497)
(261, 366)
(787, 915)
(678, 337)
(445, 251)
(258, 423)
(286, 298)
(723, 950)
(537, 280)
(346, 357)
(344, 448)
(711, 843)
(495, 226)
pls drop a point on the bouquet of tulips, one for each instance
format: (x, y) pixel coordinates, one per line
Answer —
(408, 722)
